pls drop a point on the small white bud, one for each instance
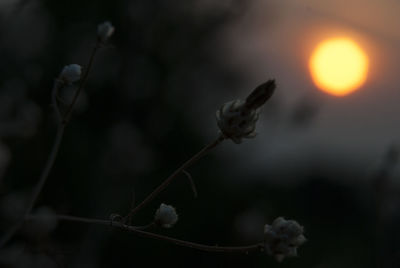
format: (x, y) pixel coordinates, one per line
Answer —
(71, 73)
(104, 31)
(234, 123)
(166, 216)
(237, 119)
(283, 237)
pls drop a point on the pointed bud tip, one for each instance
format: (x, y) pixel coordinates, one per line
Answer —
(261, 94)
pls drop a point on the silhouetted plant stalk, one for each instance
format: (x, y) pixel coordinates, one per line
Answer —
(236, 120)
(70, 74)
(70, 109)
(138, 230)
(181, 169)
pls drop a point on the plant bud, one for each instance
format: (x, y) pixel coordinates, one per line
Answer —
(166, 216)
(282, 238)
(71, 73)
(104, 31)
(237, 119)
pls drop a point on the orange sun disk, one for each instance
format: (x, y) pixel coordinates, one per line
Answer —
(338, 66)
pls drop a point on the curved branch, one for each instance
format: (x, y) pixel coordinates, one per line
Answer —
(70, 109)
(258, 247)
(39, 186)
(185, 165)
(63, 121)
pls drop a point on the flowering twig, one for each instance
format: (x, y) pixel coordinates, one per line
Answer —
(104, 32)
(70, 73)
(236, 120)
(68, 113)
(185, 165)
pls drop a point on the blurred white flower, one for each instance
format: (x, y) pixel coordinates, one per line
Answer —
(19, 256)
(166, 216)
(71, 73)
(237, 119)
(43, 222)
(12, 206)
(282, 238)
(104, 31)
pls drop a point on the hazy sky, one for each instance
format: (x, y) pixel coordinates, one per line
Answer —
(275, 39)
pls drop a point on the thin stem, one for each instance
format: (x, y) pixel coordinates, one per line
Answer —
(192, 184)
(85, 75)
(39, 186)
(185, 165)
(54, 101)
(47, 168)
(145, 227)
(234, 249)
(133, 202)
(139, 232)
(54, 151)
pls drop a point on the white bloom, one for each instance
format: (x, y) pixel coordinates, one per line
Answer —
(237, 119)
(166, 216)
(283, 237)
(71, 73)
(235, 124)
(104, 31)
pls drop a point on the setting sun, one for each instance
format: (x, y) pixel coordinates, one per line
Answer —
(338, 66)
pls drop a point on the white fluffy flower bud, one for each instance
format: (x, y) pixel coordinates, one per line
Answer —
(166, 216)
(237, 119)
(235, 124)
(283, 237)
(104, 31)
(71, 73)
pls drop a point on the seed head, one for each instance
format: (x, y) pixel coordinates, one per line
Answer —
(282, 238)
(71, 73)
(237, 119)
(166, 216)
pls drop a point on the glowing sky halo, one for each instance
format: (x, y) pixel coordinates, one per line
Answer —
(338, 66)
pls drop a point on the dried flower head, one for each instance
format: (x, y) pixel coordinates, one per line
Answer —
(282, 238)
(71, 73)
(104, 31)
(237, 119)
(166, 216)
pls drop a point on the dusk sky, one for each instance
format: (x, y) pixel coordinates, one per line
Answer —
(326, 156)
(275, 39)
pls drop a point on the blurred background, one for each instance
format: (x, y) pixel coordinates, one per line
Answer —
(331, 163)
